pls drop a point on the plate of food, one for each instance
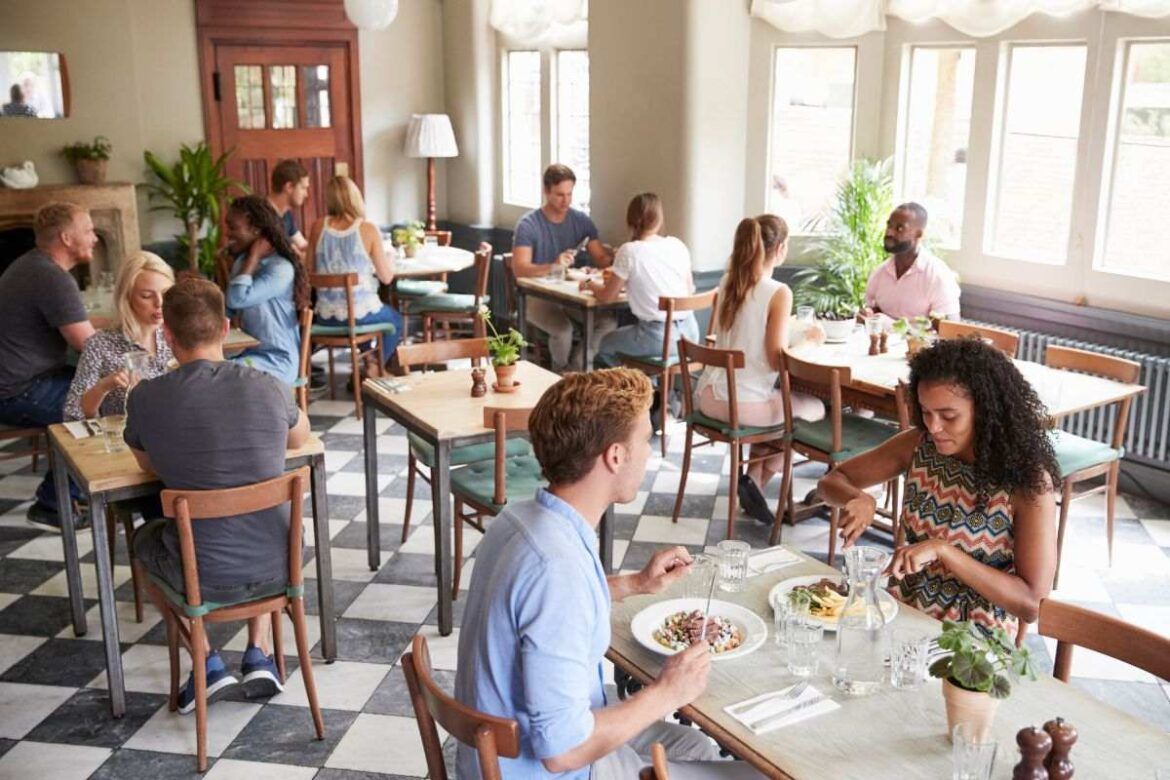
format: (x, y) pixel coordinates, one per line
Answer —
(673, 625)
(827, 597)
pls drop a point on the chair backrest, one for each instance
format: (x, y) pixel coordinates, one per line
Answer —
(1107, 366)
(348, 281)
(504, 420)
(483, 267)
(491, 736)
(510, 288)
(1003, 340)
(186, 506)
(424, 353)
(729, 360)
(824, 381)
(658, 769)
(306, 320)
(1071, 625)
(443, 236)
(672, 305)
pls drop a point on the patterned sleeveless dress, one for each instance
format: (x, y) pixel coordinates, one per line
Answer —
(943, 502)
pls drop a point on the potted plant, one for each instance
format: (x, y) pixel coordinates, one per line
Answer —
(409, 237)
(977, 673)
(195, 189)
(90, 159)
(505, 351)
(916, 331)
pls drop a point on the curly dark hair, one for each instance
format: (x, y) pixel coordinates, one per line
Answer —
(1012, 448)
(265, 221)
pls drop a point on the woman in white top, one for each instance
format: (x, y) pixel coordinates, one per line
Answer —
(343, 242)
(752, 317)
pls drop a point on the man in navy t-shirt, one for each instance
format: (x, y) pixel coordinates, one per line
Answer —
(290, 190)
(553, 235)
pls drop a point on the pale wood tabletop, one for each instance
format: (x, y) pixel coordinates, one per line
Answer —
(567, 290)
(237, 341)
(893, 733)
(431, 261)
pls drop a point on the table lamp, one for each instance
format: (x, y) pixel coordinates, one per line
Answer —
(430, 136)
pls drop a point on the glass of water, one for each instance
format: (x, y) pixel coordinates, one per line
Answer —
(908, 654)
(804, 645)
(785, 610)
(112, 427)
(805, 313)
(972, 758)
(733, 564)
(697, 584)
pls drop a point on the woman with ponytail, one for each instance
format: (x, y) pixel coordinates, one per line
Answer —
(752, 316)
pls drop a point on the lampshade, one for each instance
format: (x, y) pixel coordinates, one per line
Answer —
(371, 14)
(430, 135)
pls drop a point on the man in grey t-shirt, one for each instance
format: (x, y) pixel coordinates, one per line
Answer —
(553, 235)
(41, 316)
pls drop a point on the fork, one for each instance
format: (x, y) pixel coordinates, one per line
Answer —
(791, 692)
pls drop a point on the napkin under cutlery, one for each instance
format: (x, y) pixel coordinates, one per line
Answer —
(770, 559)
(81, 429)
(774, 713)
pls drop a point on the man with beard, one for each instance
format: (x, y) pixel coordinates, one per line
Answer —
(913, 282)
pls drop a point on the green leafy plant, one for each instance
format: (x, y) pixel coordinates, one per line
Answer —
(411, 234)
(99, 149)
(981, 662)
(195, 189)
(504, 349)
(915, 328)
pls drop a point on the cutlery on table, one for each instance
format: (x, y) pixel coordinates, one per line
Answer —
(791, 692)
(707, 610)
(768, 721)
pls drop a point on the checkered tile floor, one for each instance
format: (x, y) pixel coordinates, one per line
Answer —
(54, 721)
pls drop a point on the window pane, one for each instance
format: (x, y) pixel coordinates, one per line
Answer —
(316, 81)
(812, 131)
(938, 125)
(522, 148)
(1038, 153)
(284, 96)
(573, 120)
(1137, 231)
(249, 97)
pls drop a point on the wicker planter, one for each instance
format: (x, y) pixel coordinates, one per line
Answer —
(91, 171)
(973, 708)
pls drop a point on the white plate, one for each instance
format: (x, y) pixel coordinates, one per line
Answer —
(646, 622)
(889, 604)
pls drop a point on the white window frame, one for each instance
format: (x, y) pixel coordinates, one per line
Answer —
(506, 146)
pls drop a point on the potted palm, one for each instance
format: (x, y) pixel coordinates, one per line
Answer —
(978, 673)
(505, 351)
(90, 159)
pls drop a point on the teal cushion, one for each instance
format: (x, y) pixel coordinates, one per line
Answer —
(470, 453)
(300, 381)
(477, 481)
(417, 288)
(179, 600)
(651, 360)
(1074, 453)
(447, 302)
(858, 434)
(343, 330)
(698, 418)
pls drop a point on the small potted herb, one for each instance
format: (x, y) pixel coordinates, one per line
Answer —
(409, 237)
(977, 673)
(89, 159)
(916, 331)
(505, 351)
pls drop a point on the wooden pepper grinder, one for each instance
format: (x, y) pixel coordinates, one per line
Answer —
(1035, 745)
(883, 347)
(478, 383)
(1064, 736)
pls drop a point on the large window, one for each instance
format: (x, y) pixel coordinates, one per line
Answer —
(572, 125)
(1034, 170)
(1136, 230)
(811, 138)
(937, 130)
(522, 132)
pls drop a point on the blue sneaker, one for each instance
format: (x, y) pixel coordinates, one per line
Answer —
(261, 677)
(219, 682)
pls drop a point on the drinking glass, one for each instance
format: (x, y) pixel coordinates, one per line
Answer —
(785, 610)
(137, 363)
(698, 580)
(733, 564)
(908, 658)
(430, 241)
(873, 325)
(971, 759)
(557, 272)
(804, 642)
(112, 427)
(805, 313)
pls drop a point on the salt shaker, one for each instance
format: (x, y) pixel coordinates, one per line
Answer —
(1064, 736)
(1035, 745)
(478, 383)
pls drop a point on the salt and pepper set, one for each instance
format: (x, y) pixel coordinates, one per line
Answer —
(1044, 752)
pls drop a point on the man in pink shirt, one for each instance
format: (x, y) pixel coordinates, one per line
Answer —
(913, 282)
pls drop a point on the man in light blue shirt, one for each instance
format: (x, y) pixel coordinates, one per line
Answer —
(536, 624)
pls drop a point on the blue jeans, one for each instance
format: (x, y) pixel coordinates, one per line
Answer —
(384, 314)
(643, 339)
(42, 403)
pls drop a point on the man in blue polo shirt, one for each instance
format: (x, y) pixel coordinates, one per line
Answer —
(537, 622)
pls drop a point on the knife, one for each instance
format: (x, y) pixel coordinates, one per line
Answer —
(769, 720)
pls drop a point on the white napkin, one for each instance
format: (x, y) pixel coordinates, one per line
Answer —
(767, 708)
(770, 560)
(78, 429)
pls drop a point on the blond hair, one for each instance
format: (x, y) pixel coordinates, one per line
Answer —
(52, 219)
(343, 198)
(133, 266)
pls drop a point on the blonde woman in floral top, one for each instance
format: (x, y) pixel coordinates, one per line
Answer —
(101, 381)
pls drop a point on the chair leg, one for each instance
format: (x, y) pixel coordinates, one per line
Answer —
(782, 504)
(355, 362)
(686, 469)
(428, 329)
(1065, 500)
(664, 389)
(458, 550)
(173, 650)
(896, 512)
(733, 489)
(135, 576)
(332, 386)
(834, 522)
(411, 468)
(297, 611)
(36, 453)
(199, 669)
(1111, 480)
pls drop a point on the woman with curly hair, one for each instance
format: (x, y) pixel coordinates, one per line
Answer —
(979, 508)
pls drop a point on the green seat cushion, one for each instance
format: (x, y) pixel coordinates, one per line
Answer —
(698, 418)
(417, 288)
(477, 481)
(652, 360)
(179, 600)
(451, 302)
(361, 330)
(300, 381)
(1074, 453)
(470, 453)
(858, 434)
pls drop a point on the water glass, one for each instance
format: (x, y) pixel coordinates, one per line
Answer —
(137, 363)
(430, 240)
(804, 643)
(733, 564)
(908, 658)
(873, 325)
(703, 570)
(971, 759)
(112, 429)
(557, 272)
(784, 612)
(805, 313)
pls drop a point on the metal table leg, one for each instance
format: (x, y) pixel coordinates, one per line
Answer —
(69, 540)
(105, 585)
(587, 347)
(441, 517)
(521, 305)
(370, 440)
(324, 559)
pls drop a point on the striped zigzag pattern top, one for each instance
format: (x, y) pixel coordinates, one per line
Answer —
(943, 502)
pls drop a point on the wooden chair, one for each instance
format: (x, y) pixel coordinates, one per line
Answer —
(483, 486)
(1071, 626)
(34, 434)
(1081, 459)
(835, 438)
(537, 341)
(420, 451)
(666, 367)
(186, 506)
(1005, 341)
(490, 735)
(348, 336)
(731, 432)
(658, 769)
(404, 293)
(301, 385)
(450, 309)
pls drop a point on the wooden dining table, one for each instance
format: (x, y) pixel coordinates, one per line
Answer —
(107, 477)
(892, 733)
(567, 292)
(438, 407)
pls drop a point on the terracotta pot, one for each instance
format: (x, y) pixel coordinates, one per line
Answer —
(977, 710)
(91, 171)
(410, 249)
(505, 375)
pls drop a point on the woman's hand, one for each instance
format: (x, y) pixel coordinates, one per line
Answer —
(913, 558)
(119, 380)
(856, 516)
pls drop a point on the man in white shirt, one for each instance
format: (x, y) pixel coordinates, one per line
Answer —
(913, 282)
